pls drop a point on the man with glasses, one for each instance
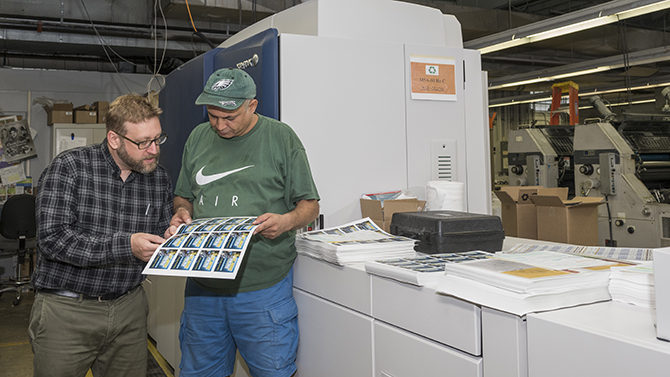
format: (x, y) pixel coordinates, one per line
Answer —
(101, 212)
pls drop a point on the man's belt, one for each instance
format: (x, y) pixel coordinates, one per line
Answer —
(81, 296)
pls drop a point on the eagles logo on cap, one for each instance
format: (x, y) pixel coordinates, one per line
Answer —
(222, 84)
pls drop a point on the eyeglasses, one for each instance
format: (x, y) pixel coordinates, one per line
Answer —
(146, 144)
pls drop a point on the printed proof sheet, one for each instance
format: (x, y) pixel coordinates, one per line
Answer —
(208, 248)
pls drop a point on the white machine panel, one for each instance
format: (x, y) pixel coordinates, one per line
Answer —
(396, 21)
(349, 102)
(349, 287)
(477, 135)
(443, 318)
(434, 119)
(420, 24)
(338, 341)
(360, 146)
(399, 353)
(504, 344)
(606, 339)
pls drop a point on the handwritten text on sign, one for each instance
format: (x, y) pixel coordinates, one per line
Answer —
(433, 78)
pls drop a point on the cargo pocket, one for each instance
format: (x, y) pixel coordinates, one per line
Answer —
(285, 321)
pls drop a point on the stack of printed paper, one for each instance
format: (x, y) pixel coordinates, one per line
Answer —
(529, 282)
(424, 269)
(358, 241)
(633, 284)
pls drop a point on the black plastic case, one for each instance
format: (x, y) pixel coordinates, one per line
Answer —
(449, 231)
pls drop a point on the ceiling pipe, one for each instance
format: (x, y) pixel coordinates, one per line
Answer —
(86, 27)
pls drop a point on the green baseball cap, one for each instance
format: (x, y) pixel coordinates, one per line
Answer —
(227, 88)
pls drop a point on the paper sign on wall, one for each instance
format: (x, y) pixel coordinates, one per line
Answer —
(433, 77)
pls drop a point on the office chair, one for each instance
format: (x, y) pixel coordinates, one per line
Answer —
(18, 230)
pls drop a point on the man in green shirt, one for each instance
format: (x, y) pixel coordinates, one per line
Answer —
(241, 163)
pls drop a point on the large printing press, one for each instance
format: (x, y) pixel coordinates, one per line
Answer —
(625, 161)
(541, 156)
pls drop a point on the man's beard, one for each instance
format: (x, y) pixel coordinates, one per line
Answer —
(137, 165)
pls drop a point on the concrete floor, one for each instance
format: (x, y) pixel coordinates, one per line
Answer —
(16, 357)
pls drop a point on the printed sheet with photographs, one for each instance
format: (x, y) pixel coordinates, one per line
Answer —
(424, 269)
(207, 248)
(16, 140)
(354, 242)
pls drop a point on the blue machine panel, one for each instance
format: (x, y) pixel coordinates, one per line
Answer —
(184, 85)
(265, 73)
(180, 113)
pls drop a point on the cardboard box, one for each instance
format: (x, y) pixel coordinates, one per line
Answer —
(382, 215)
(519, 216)
(85, 114)
(59, 113)
(101, 107)
(572, 221)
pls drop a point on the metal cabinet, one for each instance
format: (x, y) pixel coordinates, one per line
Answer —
(65, 136)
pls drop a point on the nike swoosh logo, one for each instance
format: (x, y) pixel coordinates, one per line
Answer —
(202, 179)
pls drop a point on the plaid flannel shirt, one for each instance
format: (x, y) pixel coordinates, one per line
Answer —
(85, 216)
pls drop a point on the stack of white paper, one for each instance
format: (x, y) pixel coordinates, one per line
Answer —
(424, 269)
(358, 241)
(633, 284)
(529, 282)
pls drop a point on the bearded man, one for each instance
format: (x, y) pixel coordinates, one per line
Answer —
(101, 211)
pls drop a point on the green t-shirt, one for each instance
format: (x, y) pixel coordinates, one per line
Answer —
(265, 170)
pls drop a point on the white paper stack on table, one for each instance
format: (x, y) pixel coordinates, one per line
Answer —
(633, 285)
(355, 242)
(424, 269)
(529, 282)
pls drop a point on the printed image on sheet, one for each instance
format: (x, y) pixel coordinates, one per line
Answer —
(212, 248)
(205, 260)
(163, 258)
(228, 263)
(184, 260)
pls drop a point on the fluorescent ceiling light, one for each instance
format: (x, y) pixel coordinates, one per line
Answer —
(513, 102)
(584, 19)
(598, 92)
(568, 29)
(581, 68)
(622, 103)
(580, 107)
(553, 77)
(543, 96)
(645, 9)
(504, 45)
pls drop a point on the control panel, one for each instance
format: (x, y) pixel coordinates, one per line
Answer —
(608, 166)
(533, 165)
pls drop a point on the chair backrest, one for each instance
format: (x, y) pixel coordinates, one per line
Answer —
(18, 217)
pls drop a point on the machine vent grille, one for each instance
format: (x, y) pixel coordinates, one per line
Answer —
(443, 160)
(666, 227)
(444, 168)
